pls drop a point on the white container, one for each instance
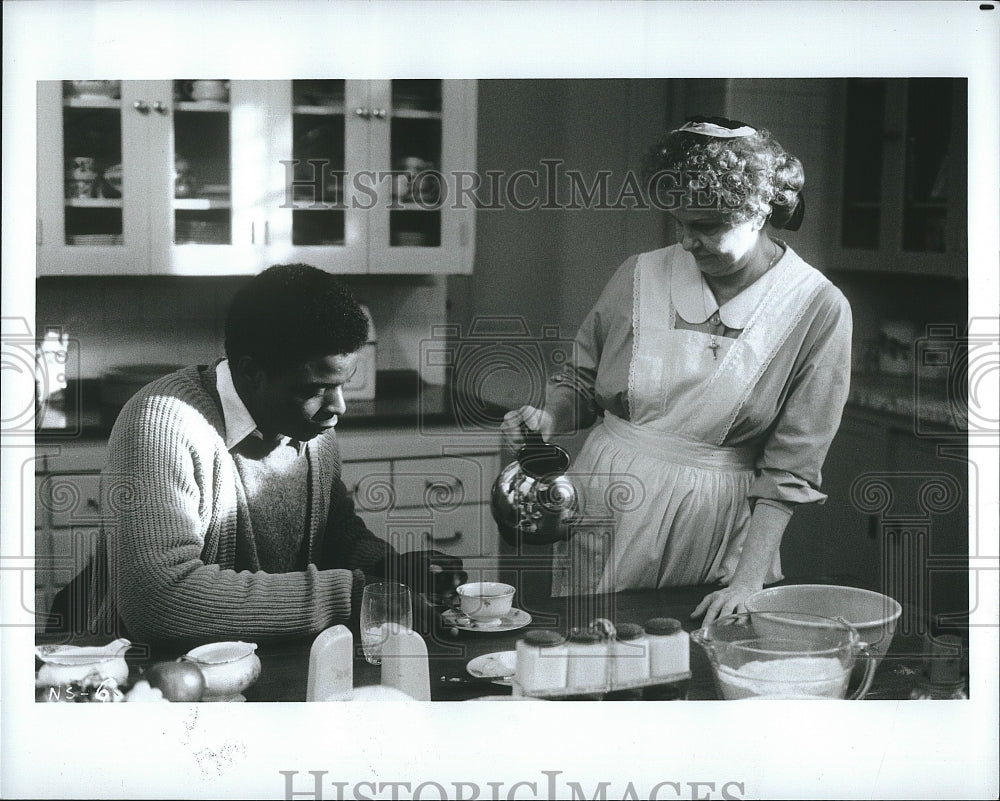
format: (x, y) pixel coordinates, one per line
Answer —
(630, 653)
(669, 647)
(542, 661)
(331, 665)
(587, 661)
(229, 668)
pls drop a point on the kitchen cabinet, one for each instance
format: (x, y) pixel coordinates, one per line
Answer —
(425, 491)
(896, 519)
(68, 507)
(415, 489)
(904, 190)
(216, 177)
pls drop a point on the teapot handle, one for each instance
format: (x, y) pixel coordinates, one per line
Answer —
(870, 664)
(531, 437)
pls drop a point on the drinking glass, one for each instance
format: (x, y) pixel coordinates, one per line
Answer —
(383, 605)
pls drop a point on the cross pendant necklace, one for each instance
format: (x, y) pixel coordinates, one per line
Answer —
(714, 344)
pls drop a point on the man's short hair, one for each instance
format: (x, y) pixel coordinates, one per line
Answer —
(290, 314)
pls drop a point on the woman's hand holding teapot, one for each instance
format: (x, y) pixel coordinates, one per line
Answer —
(518, 422)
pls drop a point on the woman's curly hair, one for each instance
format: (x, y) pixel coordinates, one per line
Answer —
(743, 176)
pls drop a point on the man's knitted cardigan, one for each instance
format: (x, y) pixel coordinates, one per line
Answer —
(177, 557)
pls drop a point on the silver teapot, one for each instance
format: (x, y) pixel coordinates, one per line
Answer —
(533, 500)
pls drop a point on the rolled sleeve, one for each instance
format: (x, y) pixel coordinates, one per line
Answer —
(789, 468)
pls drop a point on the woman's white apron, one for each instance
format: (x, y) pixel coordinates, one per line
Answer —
(665, 502)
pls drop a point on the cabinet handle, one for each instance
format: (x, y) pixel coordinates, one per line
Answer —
(429, 484)
(379, 113)
(141, 106)
(363, 113)
(160, 107)
(451, 539)
(253, 233)
(267, 233)
(38, 231)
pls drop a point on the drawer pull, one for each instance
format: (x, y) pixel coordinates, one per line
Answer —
(456, 484)
(449, 540)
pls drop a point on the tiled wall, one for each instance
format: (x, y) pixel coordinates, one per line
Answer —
(160, 320)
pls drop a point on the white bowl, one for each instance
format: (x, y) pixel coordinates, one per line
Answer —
(872, 614)
(228, 667)
(485, 602)
(65, 664)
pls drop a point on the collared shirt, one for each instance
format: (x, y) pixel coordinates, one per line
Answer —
(239, 422)
(237, 418)
(695, 302)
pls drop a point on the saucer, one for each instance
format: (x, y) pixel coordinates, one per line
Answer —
(513, 620)
(500, 664)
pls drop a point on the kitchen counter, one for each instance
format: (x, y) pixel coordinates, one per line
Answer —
(925, 401)
(401, 399)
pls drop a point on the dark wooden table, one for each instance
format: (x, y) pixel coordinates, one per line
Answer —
(284, 667)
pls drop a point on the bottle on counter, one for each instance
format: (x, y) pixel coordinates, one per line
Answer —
(669, 647)
(541, 661)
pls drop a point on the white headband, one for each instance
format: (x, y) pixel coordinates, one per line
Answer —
(718, 131)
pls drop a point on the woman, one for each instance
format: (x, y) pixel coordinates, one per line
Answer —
(717, 369)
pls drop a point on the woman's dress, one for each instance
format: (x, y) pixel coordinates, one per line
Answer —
(697, 426)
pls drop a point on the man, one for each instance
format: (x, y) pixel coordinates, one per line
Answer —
(227, 515)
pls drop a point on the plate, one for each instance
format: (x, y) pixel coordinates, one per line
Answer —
(499, 664)
(513, 620)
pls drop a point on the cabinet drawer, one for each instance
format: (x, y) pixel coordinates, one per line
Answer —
(443, 483)
(71, 498)
(467, 531)
(369, 484)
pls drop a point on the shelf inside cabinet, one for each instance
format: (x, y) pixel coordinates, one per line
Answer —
(200, 204)
(202, 105)
(320, 111)
(94, 101)
(94, 203)
(415, 114)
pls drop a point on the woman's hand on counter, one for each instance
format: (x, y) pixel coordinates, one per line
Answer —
(514, 422)
(726, 601)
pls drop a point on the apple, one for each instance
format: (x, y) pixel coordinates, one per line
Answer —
(178, 681)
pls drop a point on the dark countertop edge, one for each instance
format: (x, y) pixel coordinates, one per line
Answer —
(401, 399)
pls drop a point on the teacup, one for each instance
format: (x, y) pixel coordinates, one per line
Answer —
(82, 167)
(209, 90)
(80, 188)
(96, 88)
(485, 602)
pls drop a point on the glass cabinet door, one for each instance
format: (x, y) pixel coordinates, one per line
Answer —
(319, 146)
(91, 191)
(423, 132)
(202, 170)
(217, 149)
